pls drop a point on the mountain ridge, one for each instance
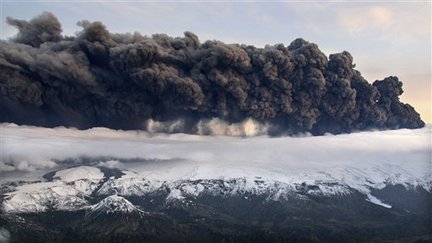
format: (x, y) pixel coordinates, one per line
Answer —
(67, 194)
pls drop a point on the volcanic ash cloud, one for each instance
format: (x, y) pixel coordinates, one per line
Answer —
(132, 81)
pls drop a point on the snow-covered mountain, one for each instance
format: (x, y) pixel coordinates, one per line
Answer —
(67, 191)
(75, 188)
(113, 204)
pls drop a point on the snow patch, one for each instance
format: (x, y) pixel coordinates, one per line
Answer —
(376, 201)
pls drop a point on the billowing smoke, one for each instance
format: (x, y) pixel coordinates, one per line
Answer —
(131, 81)
(214, 126)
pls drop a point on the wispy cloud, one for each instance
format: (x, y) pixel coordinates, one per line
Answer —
(372, 17)
(402, 21)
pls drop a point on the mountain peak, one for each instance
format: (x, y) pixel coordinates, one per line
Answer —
(114, 204)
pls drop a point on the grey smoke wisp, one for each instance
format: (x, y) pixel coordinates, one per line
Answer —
(98, 78)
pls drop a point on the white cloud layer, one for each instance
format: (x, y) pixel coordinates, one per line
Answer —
(174, 156)
(112, 164)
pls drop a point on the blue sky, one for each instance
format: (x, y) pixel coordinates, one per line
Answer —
(385, 37)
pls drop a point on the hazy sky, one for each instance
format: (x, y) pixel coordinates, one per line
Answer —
(385, 37)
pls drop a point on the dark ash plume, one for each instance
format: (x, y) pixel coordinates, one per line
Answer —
(98, 78)
(40, 29)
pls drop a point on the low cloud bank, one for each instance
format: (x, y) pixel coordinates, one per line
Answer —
(26, 148)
